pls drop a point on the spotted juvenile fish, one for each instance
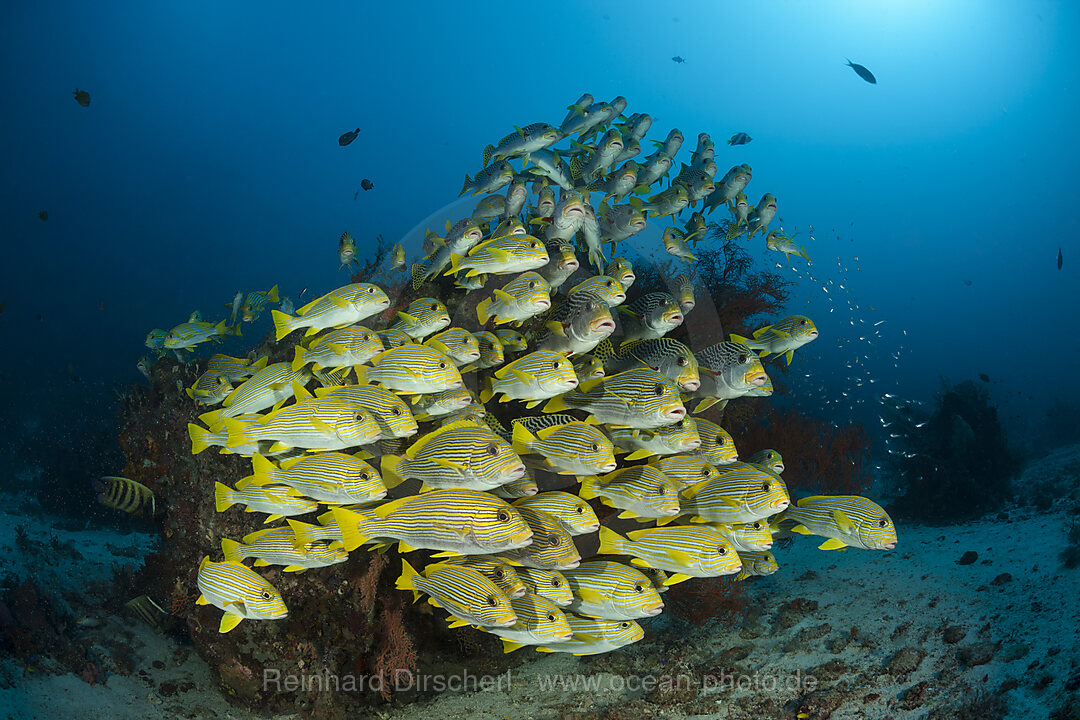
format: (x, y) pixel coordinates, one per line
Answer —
(458, 455)
(539, 621)
(329, 477)
(592, 636)
(339, 348)
(741, 494)
(612, 590)
(461, 591)
(651, 316)
(490, 179)
(518, 300)
(390, 412)
(566, 445)
(522, 142)
(576, 326)
(668, 440)
(757, 563)
(569, 510)
(497, 571)
(422, 317)
(622, 270)
(639, 491)
(127, 495)
(552, 546)
(747, 537)
(669, 357)
(233, 368)
(275, 546)
(491, 350)
(268, 387)
(466, 522)
(347, 305)
(256, 301)
(240, 592)
(608, 288)
(500, 256)
(733, 183)
(717, 446)
(411, 370)
(325, 423)
(641, 398)
(537, 376)
(763, 214)
(846, 520)
(769, 459)
(457, 344)
(685, 470)
(686, 550)
(783, 337)
(190, 334)
(209, 389)
(277, 501)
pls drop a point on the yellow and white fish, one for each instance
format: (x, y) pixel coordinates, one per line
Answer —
(240, 592)
(347, 305)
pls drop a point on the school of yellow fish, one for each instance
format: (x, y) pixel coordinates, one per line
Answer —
(593, 397)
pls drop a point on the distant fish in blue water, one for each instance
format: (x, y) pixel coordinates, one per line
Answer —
(44, 215)
(862, 72)
(678, 59)
(82, 97)
(366, 184)
(348, 137)
(1059, 258)
(984, 377)
(739, 138)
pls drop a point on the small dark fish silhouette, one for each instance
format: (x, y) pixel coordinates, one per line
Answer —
(348, 137)
(862, 72)
(968, 283)
(82, 97)
(678, 59)
(366, 184)
(739, 138)
(356, 195)
(44, 215)
(1059, 258)
(984, 377)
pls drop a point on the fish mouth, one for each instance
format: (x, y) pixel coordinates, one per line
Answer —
(542, 304)
(781, 505)
(654, 611)
(889, 546)
(756, 379)
(690, 385)
(607, 325)
(570, 265)
(693, 444)
(517, 472)
(609, 467)
(569, 565)
(674, 318)
(675, 414)
(520, 540)
(506, 623)
(766, 546)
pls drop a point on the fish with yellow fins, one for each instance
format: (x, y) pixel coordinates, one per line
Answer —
(783, 337)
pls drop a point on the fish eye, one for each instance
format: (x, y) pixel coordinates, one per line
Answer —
(534, 244)
(659, 489)
(550, 618)
(555, 582)
(498, 573)
(705, 472)
(434, 307)
(639, 588)
(493, 450)
(757, 526)
(743, 359)
(680, 361)
(579, 509)
(532, 284)
(596, 447)
(678, 425)
(553, 540)
(624, 625)
(364, 475)
(491, 601)
(610, 283)
(442, 366)
(266, 595)
(658, 390)
(721, 550)
(503, 516)
(396, 412)
(882, 522)
(765, 487)
(359, 417)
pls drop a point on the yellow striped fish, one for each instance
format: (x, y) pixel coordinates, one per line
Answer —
(847, 520)
(256, 301)
(240, 592)
(492, 353)
(392, 337)
(522, 487)
(639, 491)
(536, 377)
(458, 455)
(313, 424)
(501, 256)
(679, 437)
(233, 368)
(209, 389)
(327, 378)
(130, 496)
(390, 412)
(329, 477)
(641, 398)
(747, 537)
(549, 584)
(512, 340)
(717, 446)
(518, 300)
(607, 287)
(622, 270)
(667, 356)
(569, 510)
(612, 590)
(686, 550)
(769, 459)
(685, 470)
(783, 337)
(347, 305)
(411, 370)
(685, 293)
(190, 334)
(741, 494)
(421, 318)
(201, 439)
(447, 402)
(552, 546)
(277, 501)
(497, 571)
(275, 546)
(757, 563)
(339, 348)
(268, 387)
(461, 591)
(539, 621)
(457, 344)
(592, 636)
(467, 522)
(567, 445)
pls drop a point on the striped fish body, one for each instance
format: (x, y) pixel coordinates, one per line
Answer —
(339, 348)
(201, 439)
(675, 244)
(412, 370)
(126, 495)
(458, 522)
(266, 388)
(256, 302)
(667, 356)
(457, 344)
(741, 494)
(640, 398)
(329, 477)
(491, 179)
(685, 294)
(277, 501)
(593, 636)
(548, 584)
(763, 214)
(847, 520)
(392, 337)
(668, 202)
(552, 546)
(622, 270)
(569, 510)
(562, 263)
(733, 183)
(607, 287)
(474, 413)
(523, 141)
(600, 159)
(240, 592)
(568, 448)
(735, 365)
(512, 340)
(275, 546)
(390, 412)
(783, 337)
(588, 368)
(619, 183)
(685, 470)
(757, 563)
(233, 368)
(347, 305)
(497, 571)
(422, 317)
(612, 590)
(779, 241)
(516, 195)
(651, 316)
(656, 166)
(461, 238)
(769, 459)
(539, 621)
(501, 256)
(190, 334)
(620, 222)
(577, 325)
(687, 550)
(717, 446)
(567, 217)
(536, 377)
(447, 402)
(155, 339)
(458, 455)
(639, 491)
(209, 389)
(463, 592)
(522, 487)
(315, 424)
(747, 537)
(518, 300)
(679, 437)
(492, 206)
(491, 350)
(332, 377)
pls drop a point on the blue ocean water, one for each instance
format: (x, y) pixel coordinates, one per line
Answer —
(933, 203)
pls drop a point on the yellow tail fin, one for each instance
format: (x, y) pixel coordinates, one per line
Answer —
(231, 549)
(223, 497)
(199, 437)
(282, 323)
(407, 579)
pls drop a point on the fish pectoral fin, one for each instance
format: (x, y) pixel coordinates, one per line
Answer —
(627, 514)
(450, 465)
(676, 578)
(590, 596)
(843, 521)
(456, 622)
(833, 544)
(446, 553)
(801, 529)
